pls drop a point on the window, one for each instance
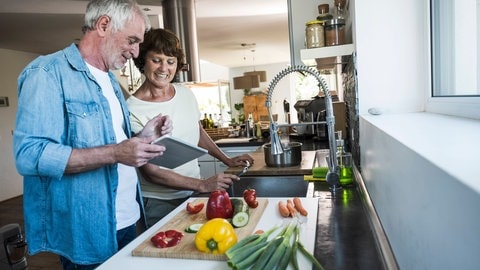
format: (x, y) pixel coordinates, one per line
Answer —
(213, 99)
(455, 57)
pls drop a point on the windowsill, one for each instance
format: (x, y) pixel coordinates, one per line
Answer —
(450, 143)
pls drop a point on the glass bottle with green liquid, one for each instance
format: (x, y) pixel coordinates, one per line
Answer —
(345, 163)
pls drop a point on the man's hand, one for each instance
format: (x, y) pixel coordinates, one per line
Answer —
(158, 126)
(136, 152)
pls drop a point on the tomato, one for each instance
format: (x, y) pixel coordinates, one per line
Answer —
(253, 204)
(250, 197)
(193, 209)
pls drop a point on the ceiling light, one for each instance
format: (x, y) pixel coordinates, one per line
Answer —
(246, 82)
(261, 73)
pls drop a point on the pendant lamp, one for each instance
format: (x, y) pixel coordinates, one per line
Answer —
(246, 82)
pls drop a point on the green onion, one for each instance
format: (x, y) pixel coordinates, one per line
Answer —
(250, 260)
(267, 254)
(282, 248)
(293, 258)
(260, 252)
(309, 256)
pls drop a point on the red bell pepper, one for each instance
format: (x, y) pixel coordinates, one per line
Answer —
(219, 205)
(193, 209)
(166, 239)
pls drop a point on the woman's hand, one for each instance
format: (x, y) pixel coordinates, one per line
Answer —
(240, 160)
(220, 181)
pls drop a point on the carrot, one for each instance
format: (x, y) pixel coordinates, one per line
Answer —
(291, 208)
(284, 212)
(259, 231)
(298, 205)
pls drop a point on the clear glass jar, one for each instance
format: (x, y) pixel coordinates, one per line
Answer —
(334, 32)
(314, 34)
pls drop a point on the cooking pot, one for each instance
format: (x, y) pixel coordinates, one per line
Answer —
(291, 156)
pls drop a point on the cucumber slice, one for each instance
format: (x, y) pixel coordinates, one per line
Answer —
(193, 228)
(240, 219)
(240, 213)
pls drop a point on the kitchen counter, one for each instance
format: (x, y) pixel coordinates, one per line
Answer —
(344, 235)
(260, 168)
(338, 232)
(240, 141)
(308, 142)
(125, 261)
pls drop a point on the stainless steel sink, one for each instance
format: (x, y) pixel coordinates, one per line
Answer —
(271, 186)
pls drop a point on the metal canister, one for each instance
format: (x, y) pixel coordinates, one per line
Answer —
(314, 34)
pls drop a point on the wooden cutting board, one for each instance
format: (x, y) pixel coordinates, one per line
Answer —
(186, 248)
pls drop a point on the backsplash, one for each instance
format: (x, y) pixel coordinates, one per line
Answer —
(350, 95)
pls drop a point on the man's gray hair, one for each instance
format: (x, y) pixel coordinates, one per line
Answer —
(120, 12)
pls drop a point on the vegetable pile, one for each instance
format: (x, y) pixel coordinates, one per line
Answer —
(260, 251)
(292, 208)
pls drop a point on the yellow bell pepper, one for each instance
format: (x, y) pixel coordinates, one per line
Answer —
(215, 236)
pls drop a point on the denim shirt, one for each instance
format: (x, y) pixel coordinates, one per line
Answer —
(61, 107)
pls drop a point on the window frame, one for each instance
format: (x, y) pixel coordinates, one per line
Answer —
(459, 105)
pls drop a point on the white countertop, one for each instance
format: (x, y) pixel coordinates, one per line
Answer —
(125, 261)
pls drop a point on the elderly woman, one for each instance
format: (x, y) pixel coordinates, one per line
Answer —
(163, 189)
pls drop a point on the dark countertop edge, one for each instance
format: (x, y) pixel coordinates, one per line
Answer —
(388, 258)
(278, 173)
(253, 142)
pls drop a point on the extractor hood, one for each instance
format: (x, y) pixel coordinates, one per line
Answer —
(179, 17)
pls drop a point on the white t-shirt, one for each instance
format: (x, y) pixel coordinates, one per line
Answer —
(126, 205)
(185, 115)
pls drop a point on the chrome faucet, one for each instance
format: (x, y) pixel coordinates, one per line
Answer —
(332, 177)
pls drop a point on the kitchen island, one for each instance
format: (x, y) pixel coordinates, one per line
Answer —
(338, 233)
(343, 231)
(126, 261)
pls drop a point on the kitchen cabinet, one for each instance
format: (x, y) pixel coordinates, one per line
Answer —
(206, 163)
(210, 166)
(255, 104)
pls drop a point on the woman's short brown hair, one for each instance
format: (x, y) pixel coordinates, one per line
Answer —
(160, 41)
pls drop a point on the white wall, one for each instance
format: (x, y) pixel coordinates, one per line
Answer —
(210, 72)
(391, 55)
(13, 62)
(420, 169)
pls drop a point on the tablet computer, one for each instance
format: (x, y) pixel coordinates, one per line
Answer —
(177, 152)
